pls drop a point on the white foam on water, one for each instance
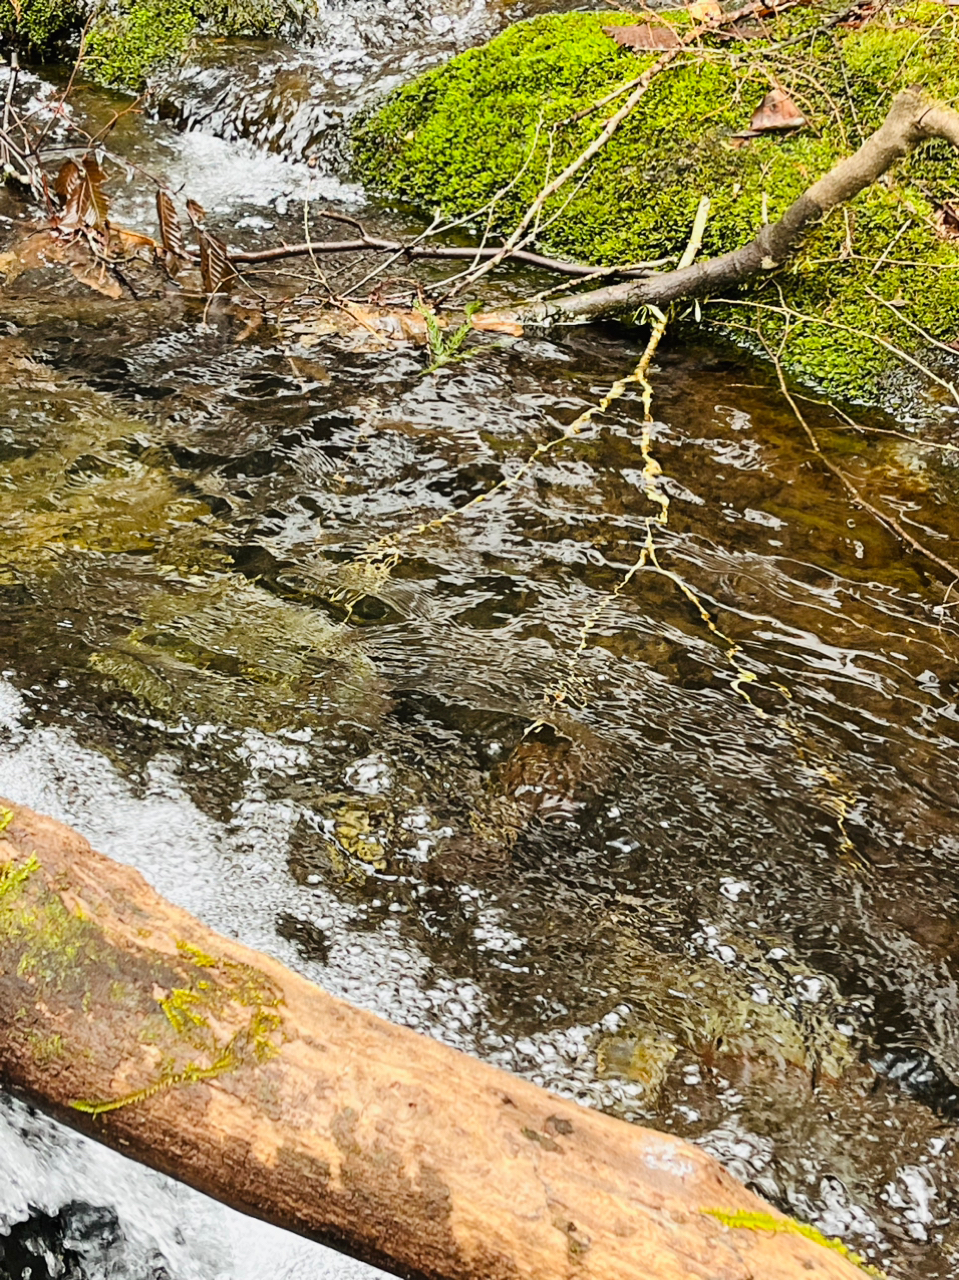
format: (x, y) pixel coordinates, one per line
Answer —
(224, 175)
(44, 1166)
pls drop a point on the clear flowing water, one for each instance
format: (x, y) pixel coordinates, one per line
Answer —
(675, 837)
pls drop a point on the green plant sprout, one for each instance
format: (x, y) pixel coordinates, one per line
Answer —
(445, 348)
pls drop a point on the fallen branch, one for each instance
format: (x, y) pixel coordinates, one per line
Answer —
(130, 1020)
(640, 88)
(411, 252)
(912, 119)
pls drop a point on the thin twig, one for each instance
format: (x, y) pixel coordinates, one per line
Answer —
(8, 102)
(890, 246)
(911, 324)
(920, 442)
(69, 86)
(636, 270)
(891, 347)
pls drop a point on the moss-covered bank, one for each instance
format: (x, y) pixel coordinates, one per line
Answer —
(38, 26)
(487, 128)
(130, 39)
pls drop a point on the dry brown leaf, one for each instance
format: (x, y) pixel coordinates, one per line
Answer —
(947, 221)
(413, 326)
(171, 233)
(197, 213)
(85, 204)
(491, 322)
(68, 180)
(644, 37)
(365, 317)
(215, 265)
(704, 10)
(76, 213)
(99, 203)
(47, 247)
(369, 328)
(129, 243)
(98, 276)
(360, 328)
(775, 113)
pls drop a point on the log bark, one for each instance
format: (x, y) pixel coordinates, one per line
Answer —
(130, 1020)
(911, 119)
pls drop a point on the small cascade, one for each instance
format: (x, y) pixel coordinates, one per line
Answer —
(296, 100)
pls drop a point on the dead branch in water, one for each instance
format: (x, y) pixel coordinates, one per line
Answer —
(412, 252)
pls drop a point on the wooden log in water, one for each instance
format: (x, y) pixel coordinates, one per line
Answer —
(130, 1020)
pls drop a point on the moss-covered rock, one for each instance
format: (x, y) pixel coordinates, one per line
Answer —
(132, 39)
(38, 26)
(128, 40)
(483, 132)
(127, 43)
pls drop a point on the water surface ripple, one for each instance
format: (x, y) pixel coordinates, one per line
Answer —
(678, 840)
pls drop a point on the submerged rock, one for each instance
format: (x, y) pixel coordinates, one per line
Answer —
(230, 652)
(87, 501)
(482, 134)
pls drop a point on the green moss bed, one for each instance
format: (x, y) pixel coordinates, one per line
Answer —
(493, 123)
(127, 40)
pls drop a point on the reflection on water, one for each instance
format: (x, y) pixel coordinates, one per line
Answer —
(678, 841)
(479, 786)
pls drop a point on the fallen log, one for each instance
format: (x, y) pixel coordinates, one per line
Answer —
(130, 1020)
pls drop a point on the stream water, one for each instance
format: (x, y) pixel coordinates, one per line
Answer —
(675, 837)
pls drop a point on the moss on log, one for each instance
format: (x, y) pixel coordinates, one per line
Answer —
(484, 132)
(130, 1020)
